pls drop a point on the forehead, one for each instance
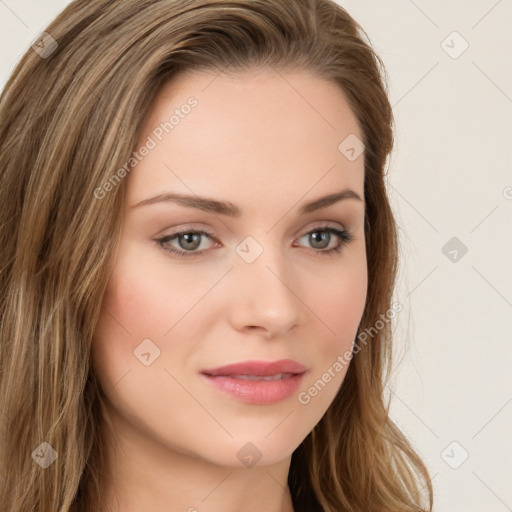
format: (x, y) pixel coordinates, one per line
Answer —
(260, 133)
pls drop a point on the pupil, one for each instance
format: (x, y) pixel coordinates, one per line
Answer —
(323, 236)
(186, 236)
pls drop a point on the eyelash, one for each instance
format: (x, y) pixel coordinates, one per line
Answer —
(344, 236)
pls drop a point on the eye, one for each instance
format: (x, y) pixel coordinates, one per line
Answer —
(189, 240)
(320, 238)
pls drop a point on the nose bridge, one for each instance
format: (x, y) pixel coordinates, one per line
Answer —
(262, 260)
(264, 278)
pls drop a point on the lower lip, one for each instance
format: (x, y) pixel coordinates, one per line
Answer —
(257, 391)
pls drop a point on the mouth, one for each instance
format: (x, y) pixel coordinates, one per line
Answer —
(278, 376)
(257, 382)
(258, 369)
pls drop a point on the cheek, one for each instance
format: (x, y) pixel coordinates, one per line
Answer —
(342, 301)
(339, 309)
(339, 306)
(142, 297)
(143, 300)
(129, 315)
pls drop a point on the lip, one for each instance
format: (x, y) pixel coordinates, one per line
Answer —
(261, 392)
(260, 368)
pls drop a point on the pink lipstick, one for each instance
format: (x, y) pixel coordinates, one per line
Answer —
(257, 382)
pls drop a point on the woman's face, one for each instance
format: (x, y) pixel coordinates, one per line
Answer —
(266, 284)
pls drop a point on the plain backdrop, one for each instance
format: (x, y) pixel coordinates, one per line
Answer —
(450, 183)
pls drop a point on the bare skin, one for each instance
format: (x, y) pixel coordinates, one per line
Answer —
(254, 141)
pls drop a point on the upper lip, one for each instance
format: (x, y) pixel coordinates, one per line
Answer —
(258, 368)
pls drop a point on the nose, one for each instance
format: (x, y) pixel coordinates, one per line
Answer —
(265, 296)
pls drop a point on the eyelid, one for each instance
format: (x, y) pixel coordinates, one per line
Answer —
(303, 231)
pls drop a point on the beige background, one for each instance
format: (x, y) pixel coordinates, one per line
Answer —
(450, 176)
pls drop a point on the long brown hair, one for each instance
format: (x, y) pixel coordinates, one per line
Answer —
(71, 115)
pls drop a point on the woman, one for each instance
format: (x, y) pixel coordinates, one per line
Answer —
(198, 255)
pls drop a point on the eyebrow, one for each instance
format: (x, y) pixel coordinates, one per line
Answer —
(231, 210)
